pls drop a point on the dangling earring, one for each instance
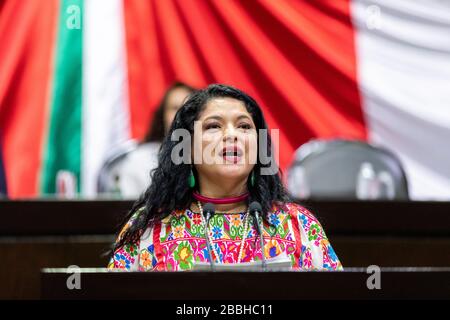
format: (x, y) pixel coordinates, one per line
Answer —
(191, 180)
(252, 179)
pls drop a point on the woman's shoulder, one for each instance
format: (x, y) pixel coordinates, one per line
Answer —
(293, 209)
(134, 216)
(306, 219)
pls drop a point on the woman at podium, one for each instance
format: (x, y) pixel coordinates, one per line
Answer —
(216, 196)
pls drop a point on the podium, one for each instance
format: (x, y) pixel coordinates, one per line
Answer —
(395, 283)
(60, 233)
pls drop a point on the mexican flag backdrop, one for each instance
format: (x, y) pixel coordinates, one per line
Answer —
(78, 77)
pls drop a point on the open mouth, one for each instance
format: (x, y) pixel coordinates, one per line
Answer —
(232, 154)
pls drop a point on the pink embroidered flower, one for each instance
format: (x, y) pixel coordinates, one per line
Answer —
(307, 260)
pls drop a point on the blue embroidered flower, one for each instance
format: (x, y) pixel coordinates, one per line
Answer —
(123, 260)
(219, 251)
(332, 254)
(272, 252)
(303, 248)
(274, 219)
(206, 254)
(217, 232)
(151, 249)
(304, 219)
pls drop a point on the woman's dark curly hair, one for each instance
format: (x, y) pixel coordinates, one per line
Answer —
(169, 189)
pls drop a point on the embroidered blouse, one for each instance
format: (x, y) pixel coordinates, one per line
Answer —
(179, 241)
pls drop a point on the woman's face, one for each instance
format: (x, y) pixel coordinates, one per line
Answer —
(225, 141)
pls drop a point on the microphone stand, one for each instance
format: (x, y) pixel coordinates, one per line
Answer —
(208, 244)
(261, 241)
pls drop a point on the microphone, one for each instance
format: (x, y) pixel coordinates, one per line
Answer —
(208, 212)
(255, 210)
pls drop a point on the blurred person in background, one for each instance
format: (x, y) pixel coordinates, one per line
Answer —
(162, 120)
(128, 174)
(134, 170)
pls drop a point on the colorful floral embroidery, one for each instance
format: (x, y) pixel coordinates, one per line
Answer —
(313, 232)
(307, 259)
(123, 260)
(182, 241)
(131, 249)
(184, 256)
(274, 219)
(216, 232)
(197, 219)
(235, 220)
(304, 220)
(146, 259)
(272, 249)
(178, 232)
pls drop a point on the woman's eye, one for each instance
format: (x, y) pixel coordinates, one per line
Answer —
(245, 126)
(212, 126)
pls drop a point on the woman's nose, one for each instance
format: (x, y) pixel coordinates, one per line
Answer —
(230, 134)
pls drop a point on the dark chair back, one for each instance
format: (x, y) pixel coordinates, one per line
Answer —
(344, 169)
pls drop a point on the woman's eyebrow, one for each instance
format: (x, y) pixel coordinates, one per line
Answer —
(243, 116)
(213, 117)
(217, 117)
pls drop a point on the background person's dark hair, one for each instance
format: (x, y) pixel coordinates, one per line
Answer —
(157, 130)
(169, 189)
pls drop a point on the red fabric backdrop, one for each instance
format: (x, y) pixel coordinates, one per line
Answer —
(27, 33)
(297, 58)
